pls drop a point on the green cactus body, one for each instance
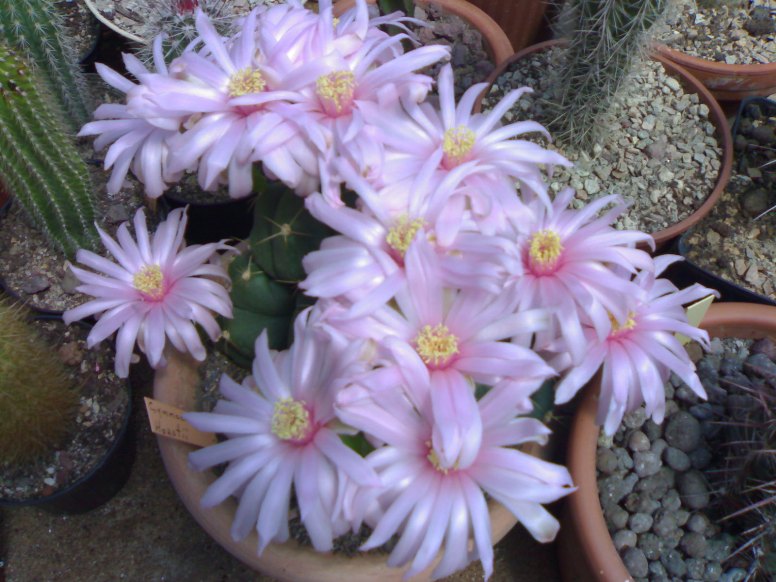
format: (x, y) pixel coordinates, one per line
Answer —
(258, 303)
(39, 163)
(36, 29)
(37, 403)
(283, 233)
(605, 39)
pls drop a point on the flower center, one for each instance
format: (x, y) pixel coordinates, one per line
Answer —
(456, 145)
(246, 81)
(150, 282)
(436, 345)
(618, 328)
(544, 250)
(403, 233)
(433, 458)
(290, 420)
(335, 91)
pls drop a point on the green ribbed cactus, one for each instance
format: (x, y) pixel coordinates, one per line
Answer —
(37, 403)
(36, 30)
(605, 38)
(39, 163)
(283, 233)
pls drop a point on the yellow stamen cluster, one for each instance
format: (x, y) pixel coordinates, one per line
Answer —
(617, 327)
(336, 88)
(246, 81)
(433, 458)
(290, 419)
(457, 143)
(403, 232)
(150, 281)
(435, 344)
(545, 248)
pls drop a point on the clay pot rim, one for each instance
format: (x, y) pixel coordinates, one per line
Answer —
(586, 523)
(713, 67)
(112, 25)
(716, 115)
(174, 384)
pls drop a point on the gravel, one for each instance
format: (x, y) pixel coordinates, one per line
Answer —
(659, 151)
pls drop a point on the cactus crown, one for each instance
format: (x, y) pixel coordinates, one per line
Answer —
(606, 37)
(39, 163)
(37, 403)
(36, 30)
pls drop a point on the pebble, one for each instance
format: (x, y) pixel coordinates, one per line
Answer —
(683, 431)
(35, 283)
(693, 489)
(674, 564)
(646, 463)
(676, 459)
(697, 523)
(733, 575)
(651, 545)
(640, 522)
(606, 461)
(624, 538)
(636, 562)
(694, 544)
(638, 442)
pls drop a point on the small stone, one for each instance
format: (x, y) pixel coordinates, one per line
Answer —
(658, 446)
(755, 202)
(648, 123)
(606, 461)
(674, 563)
(35, 283)
(651, 545)
(762, 366)
(624, 539)
(695, 568)
(753, 276)
(764, 346)
(657, 571)
(665, 175)
(623, 458)
(671, 500)
(117, 213)
(640, 523)
(50, 481)
(635, 419)
(592, 186)
(656, 150)
(664, 523)
(683, 431)
(614, 488)
(697, 523)
(69, 282)
(673, 84)
(676, 459)
(733, 575)
(636, 562)
(713, 572)
(653, 430)
(638, 441)
(616, 516)
(656, 485)
(693, 489)
(682, 516)
(70, 354)
(646, 463)
(693, 544)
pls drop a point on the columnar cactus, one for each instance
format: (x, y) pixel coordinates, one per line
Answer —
(605, 38)
(39, 162)
(37, 402)
(36, 29)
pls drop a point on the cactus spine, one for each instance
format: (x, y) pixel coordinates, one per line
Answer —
(605, 37)
(37, 404)
(39, 163)
(36, 29)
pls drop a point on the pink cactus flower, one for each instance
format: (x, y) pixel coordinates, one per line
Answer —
(158, 290)
(563, 260)
(641, 349)
(138, 140)
(282, 433)
(435, 504)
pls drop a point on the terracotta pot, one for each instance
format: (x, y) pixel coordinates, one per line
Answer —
(586, 550)
(521, 20)
(495, 40)
(726, 82)
(691, 85)
(175, 384)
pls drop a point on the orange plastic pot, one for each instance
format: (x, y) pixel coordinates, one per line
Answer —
(725, 82)
(494, 39)
(690, 85)
(585, 548)
(176, 384)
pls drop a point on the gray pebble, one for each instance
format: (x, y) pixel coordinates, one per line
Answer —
(684, 394)
(700, 458)
(35, 283)
(117, 213)
(614, 488)
(683, 431)
(640, 522)
(657, 571)
(682, 516)
(676, 459)
(702, 411)
(664, 523)
(646, 463)
(636, 562)
(635, 419)
(761, 365)
(624, 459)
(638, 442)
(656, 485)
(653, 430)
(616, 516)
(694, 545)
(651, 545)
(658, 446)
(713, 572)
(606, 461)
(697, 523)
(69, 282)
(624, 538)
(693, 489)
(674, 563)
(696, 568)
(671, 500)
(717, 549)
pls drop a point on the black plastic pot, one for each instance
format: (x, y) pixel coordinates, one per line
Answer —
(103, 481)
(214, 221)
